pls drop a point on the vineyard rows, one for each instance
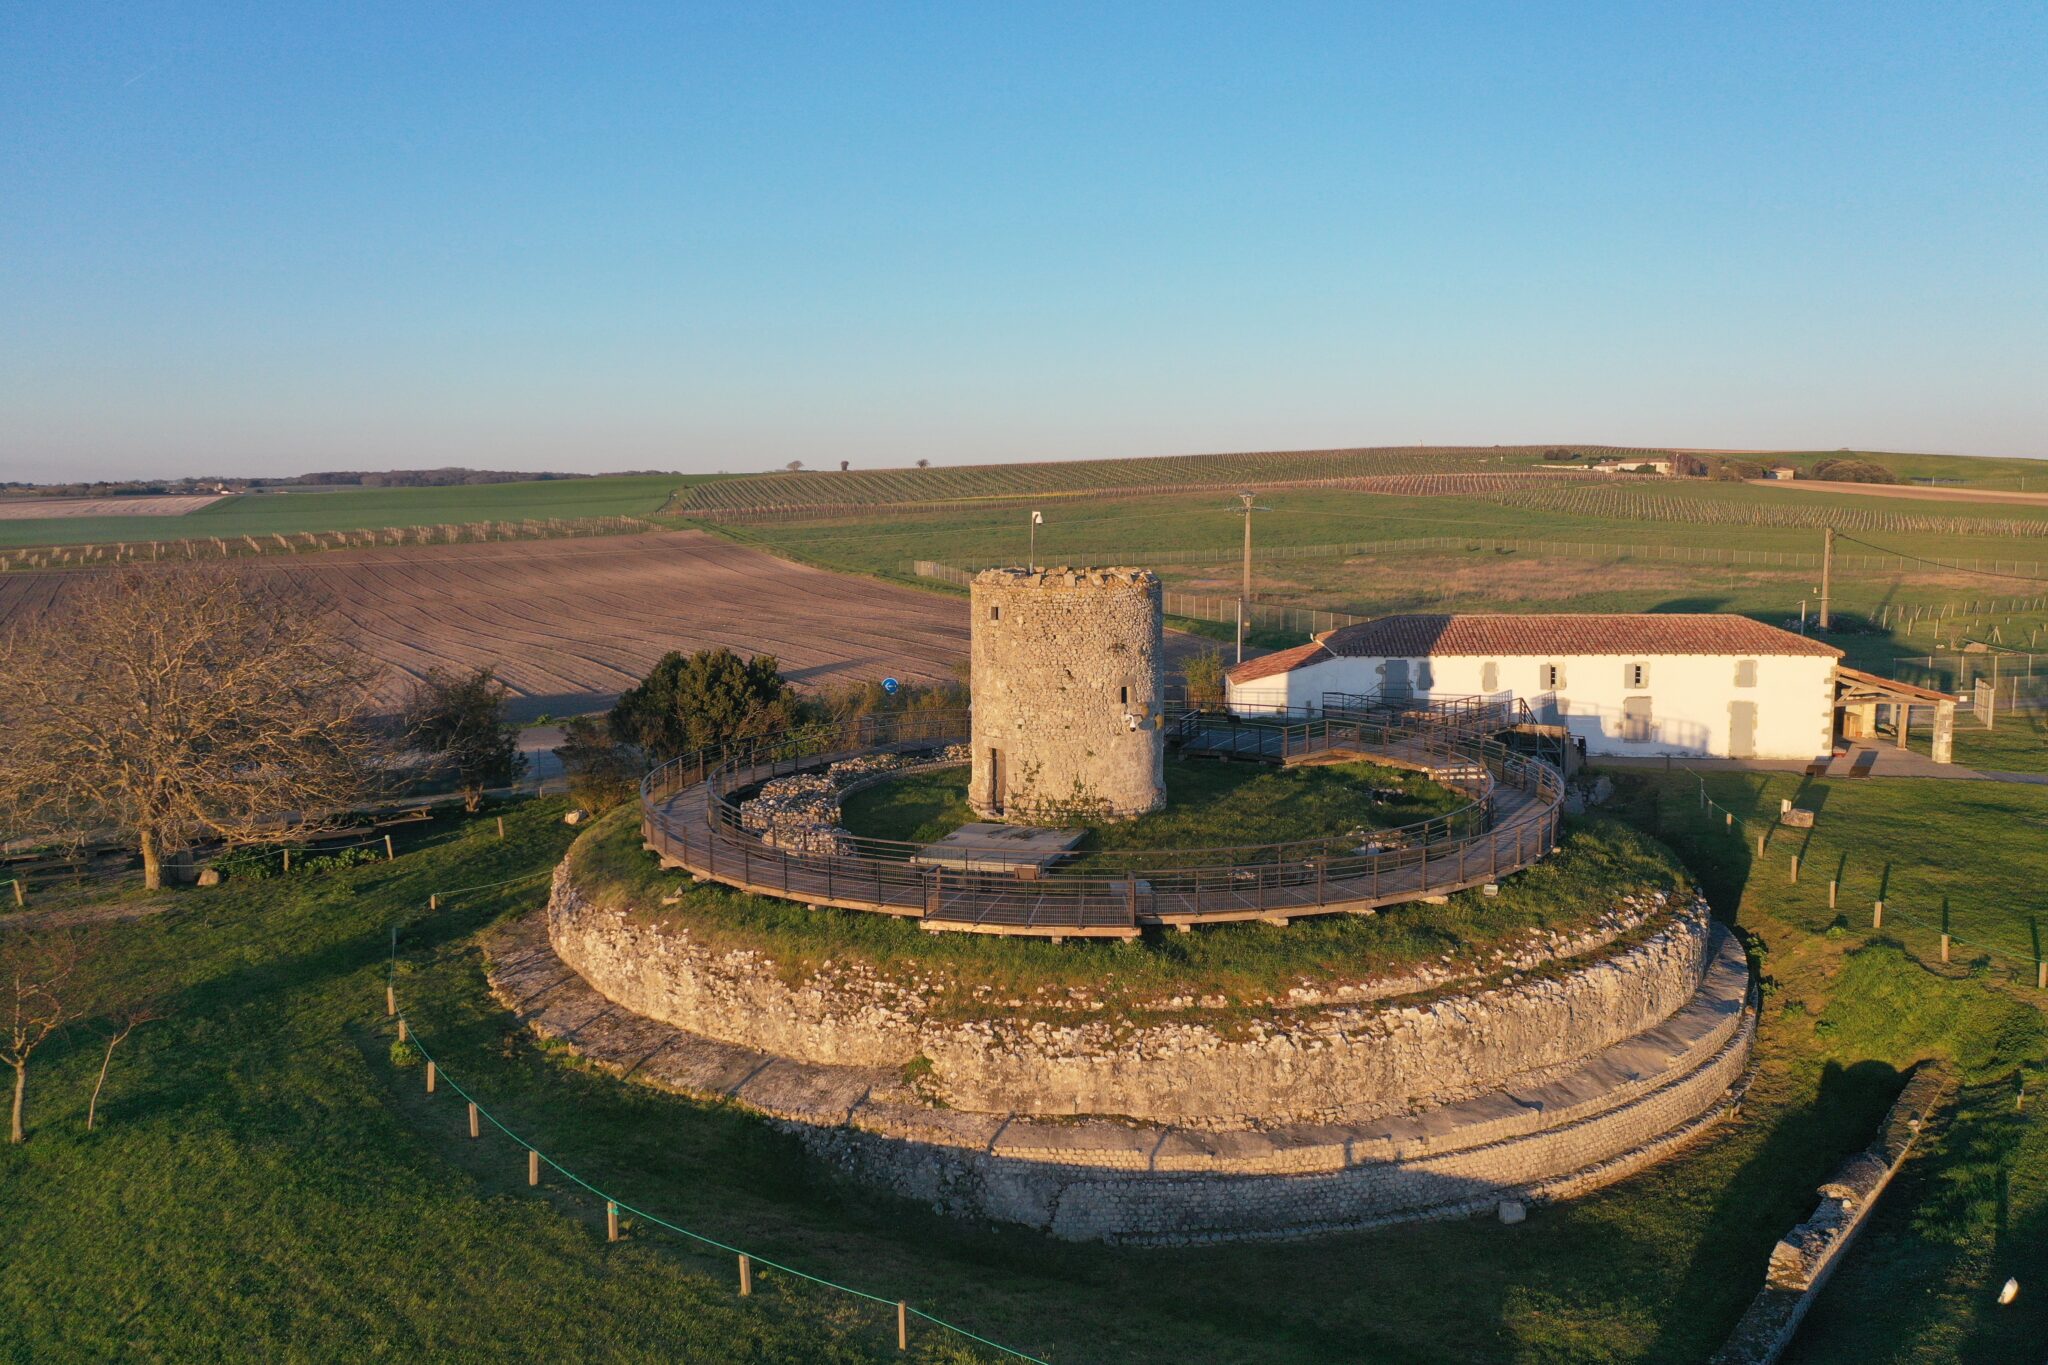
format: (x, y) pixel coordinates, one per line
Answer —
(814, 491)
(274, 543)
(1630, 504)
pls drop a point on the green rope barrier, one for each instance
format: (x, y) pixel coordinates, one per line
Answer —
(483, 1112)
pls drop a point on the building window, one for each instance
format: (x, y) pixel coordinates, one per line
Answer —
(1745, 672)
(1551, 677)
(995, 613)
(1489, 676)
(1635, 675)
(1123, 694)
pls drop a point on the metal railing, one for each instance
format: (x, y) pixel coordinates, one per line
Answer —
(1447, 853)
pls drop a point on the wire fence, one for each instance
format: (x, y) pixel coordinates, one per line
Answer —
(2028, 962)
(480, 1114)
(297, 542)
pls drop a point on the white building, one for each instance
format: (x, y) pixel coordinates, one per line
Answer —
(1717, 685)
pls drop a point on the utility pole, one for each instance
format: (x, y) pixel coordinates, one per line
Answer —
(1031, 554)
(1244, 601)
(1827, 573)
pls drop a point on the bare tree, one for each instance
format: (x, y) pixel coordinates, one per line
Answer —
(178, 704)
(36, 999)
(132, 1004)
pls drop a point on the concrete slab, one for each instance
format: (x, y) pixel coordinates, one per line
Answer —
(984, 846)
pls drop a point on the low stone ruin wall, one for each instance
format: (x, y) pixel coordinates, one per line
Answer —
(1318, 1063)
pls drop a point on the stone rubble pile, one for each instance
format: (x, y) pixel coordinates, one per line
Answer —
(799, 813)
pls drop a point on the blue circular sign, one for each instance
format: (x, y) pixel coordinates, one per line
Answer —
(890, 685)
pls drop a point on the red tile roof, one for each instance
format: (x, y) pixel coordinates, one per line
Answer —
(1280, 661)
(1551, 636)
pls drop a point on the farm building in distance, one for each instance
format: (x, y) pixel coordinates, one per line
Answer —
(1721, 686)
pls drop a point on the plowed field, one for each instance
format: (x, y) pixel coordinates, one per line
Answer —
(163, 505)
(571, 623)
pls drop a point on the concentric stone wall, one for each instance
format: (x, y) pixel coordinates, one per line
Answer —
(1321, 1063)
(1068, 693)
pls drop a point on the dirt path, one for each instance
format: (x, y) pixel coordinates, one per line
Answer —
(1915, 492)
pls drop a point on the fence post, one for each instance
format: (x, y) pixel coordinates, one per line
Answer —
(1795, 867)
(401, 1030)
(474, 1130)
(532, 1166)
(1877, 914)
(746, 1275)
(434, 901)
(1759, 845)
(391, 1005)
(1831, 893)
(389, 853)
(1944, 947)
(611, 1220)
(430, 1078)
(902, 1325)
(501, 827)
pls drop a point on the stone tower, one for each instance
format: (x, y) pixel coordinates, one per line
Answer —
(1068, 694)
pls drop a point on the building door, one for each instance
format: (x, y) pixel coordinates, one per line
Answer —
(1396, 688)
(998, 781)
(1742, 729)
(1635, 720)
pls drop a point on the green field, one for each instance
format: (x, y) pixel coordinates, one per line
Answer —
(267, 1181)
(357, 509)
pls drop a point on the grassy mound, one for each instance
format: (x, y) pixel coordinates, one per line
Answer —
(1208, 805)
(1245, 963)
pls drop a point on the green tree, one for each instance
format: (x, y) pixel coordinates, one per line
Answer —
(461, 720)
(690, 702)
(602, 771)
(1205, 680)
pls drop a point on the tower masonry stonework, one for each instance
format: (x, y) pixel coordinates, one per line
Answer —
(1069, 694)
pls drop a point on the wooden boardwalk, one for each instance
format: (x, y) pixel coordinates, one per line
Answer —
(690, 829)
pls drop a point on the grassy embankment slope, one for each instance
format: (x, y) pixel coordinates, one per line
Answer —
(359, 509)
(267, 1180)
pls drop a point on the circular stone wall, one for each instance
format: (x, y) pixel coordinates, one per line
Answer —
(1329, 1062)
(1068, 693)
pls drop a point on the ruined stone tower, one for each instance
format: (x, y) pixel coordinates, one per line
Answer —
(1068, 694)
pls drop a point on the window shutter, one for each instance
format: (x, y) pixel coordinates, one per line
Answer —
(1745, 672)
(1489, 677)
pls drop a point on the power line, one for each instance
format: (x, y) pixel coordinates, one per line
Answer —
(1957, 567)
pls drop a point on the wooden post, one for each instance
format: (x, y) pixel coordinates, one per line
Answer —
(1728, 818)
(287, 860)
(391, 1005)
(430, 1078)
(746, 1275)
(2041, 976)
(611, 1220)
(1795, 867)
(389, 853)
(1759, 845)
(532, 1166)
(401, 1030)
(501, 827)
(474, 1130)
(902, 1325)
(19, 898)
(434, 901)
(1944, 947)
(1877, 914)
(1831, 893)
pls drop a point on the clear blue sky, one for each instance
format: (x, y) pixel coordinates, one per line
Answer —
(276, 237)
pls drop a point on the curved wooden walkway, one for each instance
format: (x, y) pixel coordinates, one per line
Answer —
(685, 830)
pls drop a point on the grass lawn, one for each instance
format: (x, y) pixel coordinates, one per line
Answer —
(1972, 1208)
(2018, 743)
(267, 1182)
(1209, 805)
(356, 509)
